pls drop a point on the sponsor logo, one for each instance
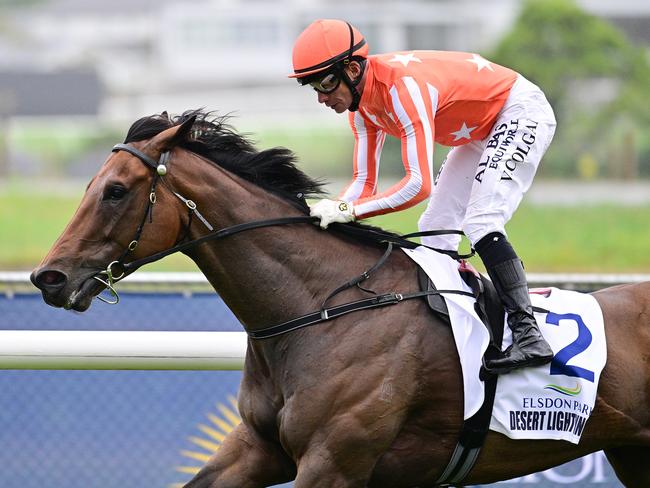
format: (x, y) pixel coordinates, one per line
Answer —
(565, 391)
(510, 143)
(551, 413)
(547, 420)
(500, 141)
(522, 148)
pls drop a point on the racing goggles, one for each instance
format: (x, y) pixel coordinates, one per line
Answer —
(327, 84)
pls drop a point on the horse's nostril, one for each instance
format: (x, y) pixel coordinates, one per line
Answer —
(50, 279)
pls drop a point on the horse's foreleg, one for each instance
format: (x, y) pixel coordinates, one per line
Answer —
(244, 460)
(319, 470)
(343, 460)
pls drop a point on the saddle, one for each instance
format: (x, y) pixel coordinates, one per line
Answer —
(488, 304)
(491, 312)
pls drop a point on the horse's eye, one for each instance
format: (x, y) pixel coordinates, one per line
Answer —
(114, 192)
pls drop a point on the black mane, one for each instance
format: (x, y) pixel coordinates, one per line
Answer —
(273, 169)
(213, 138)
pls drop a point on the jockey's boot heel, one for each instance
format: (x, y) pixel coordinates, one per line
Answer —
(528, 347)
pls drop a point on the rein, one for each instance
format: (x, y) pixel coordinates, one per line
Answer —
(117, 269)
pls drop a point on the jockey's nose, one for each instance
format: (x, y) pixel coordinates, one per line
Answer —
(322, 97)
(48, 280)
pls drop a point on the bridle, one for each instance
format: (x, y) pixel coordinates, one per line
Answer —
(160, 169)
(117, 269)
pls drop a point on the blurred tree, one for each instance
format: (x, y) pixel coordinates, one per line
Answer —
(595, 78)
(19, 3)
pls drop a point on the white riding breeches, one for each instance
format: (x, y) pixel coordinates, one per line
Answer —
(480, 184)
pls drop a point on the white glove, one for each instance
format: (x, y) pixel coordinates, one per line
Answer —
(329, 211)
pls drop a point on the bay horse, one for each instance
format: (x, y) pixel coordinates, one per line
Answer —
(369, 399)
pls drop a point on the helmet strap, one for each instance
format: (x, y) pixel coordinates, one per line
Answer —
(352, 84)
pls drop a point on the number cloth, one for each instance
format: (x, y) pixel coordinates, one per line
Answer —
(553, 401)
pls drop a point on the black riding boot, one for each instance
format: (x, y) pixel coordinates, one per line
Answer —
(528, 348)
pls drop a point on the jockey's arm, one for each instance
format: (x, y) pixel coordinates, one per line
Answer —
(368, 143)
(416, 138)
(360, 198)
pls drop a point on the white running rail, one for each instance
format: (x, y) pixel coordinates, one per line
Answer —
(114, 350)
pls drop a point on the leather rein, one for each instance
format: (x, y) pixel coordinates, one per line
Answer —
(118, 269)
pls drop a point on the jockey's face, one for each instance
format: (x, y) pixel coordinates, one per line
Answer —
(340, 99)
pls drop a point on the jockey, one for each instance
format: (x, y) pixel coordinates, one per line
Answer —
(499, 125)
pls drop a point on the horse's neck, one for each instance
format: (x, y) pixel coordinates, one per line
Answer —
(269, 275)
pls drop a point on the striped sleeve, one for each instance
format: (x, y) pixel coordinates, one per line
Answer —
(414, 107)
(368, 143)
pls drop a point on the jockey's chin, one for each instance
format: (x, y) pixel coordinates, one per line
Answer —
(339, 101)
(339, 107)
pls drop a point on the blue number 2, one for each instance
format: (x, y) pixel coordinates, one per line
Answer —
(559, 363)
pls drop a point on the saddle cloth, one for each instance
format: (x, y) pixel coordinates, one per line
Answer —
(552, 401)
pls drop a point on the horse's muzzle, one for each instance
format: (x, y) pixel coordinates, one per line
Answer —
(50, 281)
(59, 291)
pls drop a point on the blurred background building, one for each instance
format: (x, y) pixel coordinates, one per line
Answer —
(127, 58)
(97, 66)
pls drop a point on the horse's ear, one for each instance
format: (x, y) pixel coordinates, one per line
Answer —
(172, 137)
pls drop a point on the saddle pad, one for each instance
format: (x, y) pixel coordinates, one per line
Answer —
(470, 335)
(552, 401)
(555, 401)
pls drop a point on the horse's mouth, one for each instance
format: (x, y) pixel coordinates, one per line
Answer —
(80, 299)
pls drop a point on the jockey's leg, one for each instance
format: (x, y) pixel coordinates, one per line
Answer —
(512, 152)
(244, 461)
(449, 197)
(529, 348)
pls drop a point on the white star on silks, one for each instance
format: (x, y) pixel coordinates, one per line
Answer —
(404, 58)
(463, 132)
(480, 62)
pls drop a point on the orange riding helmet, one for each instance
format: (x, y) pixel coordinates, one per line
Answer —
(325, 43)
(327, 46)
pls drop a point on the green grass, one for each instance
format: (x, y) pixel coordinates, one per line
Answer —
(31, 220)
(607, 239)
(598, 239)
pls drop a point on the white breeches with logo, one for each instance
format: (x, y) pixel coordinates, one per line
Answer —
(481, 183)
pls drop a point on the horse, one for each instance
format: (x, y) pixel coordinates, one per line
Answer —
(368, 399)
